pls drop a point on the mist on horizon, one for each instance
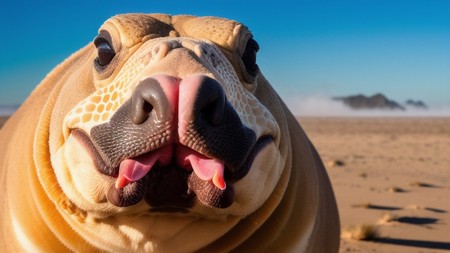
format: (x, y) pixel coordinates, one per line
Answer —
(7, 110)
(326, 106)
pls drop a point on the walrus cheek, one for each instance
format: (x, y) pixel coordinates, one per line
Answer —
(261, 121)
(76, 174)
(256, 187)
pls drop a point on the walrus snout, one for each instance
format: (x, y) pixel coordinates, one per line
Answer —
(183, 132)
(197, 114)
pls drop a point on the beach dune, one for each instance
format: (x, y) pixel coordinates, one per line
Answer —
(391, 177)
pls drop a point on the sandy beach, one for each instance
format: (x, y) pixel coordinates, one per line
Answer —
(391, 177)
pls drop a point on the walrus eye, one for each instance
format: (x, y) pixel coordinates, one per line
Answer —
(105, 52)
(249, 57)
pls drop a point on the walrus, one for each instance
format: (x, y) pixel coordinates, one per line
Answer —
(162, 135)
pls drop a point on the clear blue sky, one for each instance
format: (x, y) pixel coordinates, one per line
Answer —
(398, 47)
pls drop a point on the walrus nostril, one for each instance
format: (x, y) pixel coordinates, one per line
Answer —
(141, 111)
(210, 102)
(147, 97)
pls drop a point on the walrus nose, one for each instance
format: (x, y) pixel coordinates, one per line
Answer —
(209, 104)
(155, 96)
(197, 98)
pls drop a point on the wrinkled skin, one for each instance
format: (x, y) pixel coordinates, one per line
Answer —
(162, 136)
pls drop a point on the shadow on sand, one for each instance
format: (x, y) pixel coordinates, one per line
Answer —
(436, 210)
(417, 220)
(415, 243)
(386, 208)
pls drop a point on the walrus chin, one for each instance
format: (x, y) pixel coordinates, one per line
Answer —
(172, 177)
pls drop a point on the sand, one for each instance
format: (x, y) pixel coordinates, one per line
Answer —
(391, 179)
(391, 175)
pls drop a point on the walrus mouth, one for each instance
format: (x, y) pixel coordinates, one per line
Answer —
(172, 177)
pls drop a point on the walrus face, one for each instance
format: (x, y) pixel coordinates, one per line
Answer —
(172, 123)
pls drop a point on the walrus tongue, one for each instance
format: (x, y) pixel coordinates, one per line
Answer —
(207, 169)
(131, 170)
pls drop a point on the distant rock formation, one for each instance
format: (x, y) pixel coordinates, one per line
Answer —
(417, 104)
(377, 101)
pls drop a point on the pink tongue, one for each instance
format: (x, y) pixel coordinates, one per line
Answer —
(208, 169)
(131, 170)
(204, 167)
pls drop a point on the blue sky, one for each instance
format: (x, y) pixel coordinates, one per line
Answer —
(400, 48)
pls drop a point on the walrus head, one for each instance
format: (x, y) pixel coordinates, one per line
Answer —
(162, 127)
